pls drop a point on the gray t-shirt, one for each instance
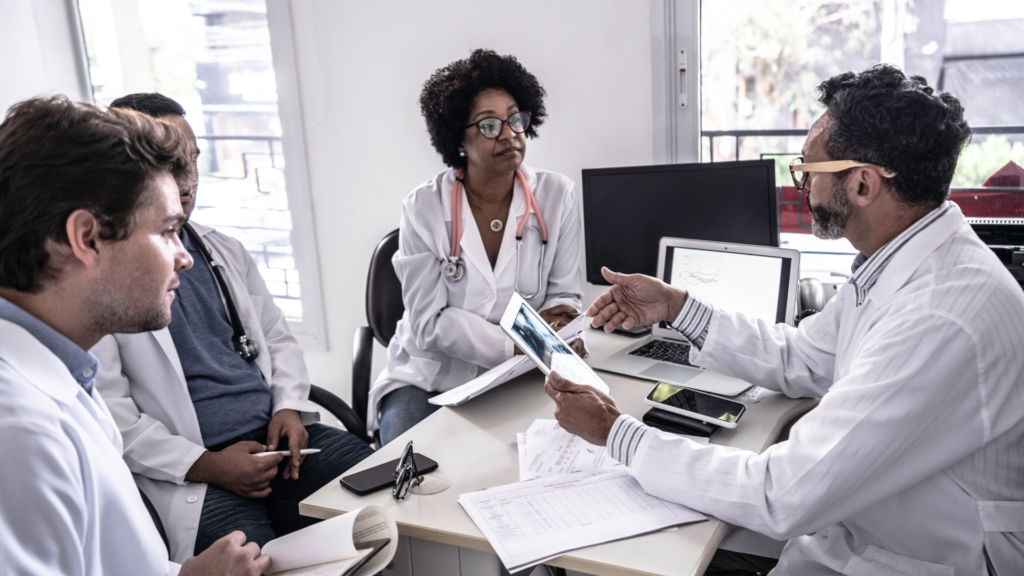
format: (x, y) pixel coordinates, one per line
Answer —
(230, 395)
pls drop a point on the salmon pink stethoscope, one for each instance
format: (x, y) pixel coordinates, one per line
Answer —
(454, 270)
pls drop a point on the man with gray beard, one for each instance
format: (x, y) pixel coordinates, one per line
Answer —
(912, 462)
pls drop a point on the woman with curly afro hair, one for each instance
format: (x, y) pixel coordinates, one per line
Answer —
(460, 267)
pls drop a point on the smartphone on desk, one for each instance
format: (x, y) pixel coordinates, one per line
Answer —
(383, 475)
(696, 404)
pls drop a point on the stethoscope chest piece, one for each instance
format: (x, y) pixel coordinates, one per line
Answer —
(453, 269)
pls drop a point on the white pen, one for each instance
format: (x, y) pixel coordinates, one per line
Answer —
(305, 452)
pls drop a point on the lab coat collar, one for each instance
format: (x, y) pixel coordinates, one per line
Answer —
(909, 258)
(200, 229)
(472, 242)
(37, 364)
(163, 338)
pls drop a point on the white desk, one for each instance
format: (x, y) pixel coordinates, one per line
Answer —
(475, 445)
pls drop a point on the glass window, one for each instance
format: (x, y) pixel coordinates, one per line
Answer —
(213, 58)
(761, 62)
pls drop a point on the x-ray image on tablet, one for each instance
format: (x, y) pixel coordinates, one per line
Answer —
(538, 341)
(543, 343)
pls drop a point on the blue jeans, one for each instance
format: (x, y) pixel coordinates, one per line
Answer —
(278, 514)
(402, 409)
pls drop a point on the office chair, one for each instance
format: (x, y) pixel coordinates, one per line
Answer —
(384, 308)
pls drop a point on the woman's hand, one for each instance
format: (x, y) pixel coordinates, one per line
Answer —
(558, 316)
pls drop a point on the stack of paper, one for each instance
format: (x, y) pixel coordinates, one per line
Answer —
(511, 368)
(548, 450)
(529, 522)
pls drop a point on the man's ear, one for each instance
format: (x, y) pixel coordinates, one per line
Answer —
(866, 184)
(83, 231)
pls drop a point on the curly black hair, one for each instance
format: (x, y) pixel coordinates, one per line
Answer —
(883, 117)
(448, 97)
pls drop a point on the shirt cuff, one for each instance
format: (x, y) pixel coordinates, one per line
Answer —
(693, 320)
(625, 437)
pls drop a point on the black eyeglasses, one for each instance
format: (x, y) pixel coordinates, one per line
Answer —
(406, 474)
(491, 127)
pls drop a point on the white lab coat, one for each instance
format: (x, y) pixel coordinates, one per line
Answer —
(68, 504)
(142, 382)
(449, 332)
(913, 460)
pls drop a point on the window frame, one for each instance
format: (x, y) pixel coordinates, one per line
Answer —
(311, 331)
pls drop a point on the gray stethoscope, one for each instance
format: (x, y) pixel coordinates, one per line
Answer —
(454, 270)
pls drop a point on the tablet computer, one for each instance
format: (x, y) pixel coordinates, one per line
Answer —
(543, 345)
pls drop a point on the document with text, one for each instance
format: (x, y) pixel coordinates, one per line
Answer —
(546, 449)
(359, 543)
(530, 522)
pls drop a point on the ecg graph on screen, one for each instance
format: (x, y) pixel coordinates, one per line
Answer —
(690, 274)
(699, 277)
(731, 281)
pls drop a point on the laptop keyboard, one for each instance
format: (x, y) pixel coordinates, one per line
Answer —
(665, 351)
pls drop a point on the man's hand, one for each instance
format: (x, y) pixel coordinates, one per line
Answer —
(582, 410)
(237, 470)
(229, 556)
(288, 424)
(635, 300)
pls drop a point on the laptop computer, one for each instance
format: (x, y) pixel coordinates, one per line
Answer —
(759, 281)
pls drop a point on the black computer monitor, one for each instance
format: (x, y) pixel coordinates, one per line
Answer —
(626, 211)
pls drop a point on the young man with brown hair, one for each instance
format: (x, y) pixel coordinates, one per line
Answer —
(89, 221)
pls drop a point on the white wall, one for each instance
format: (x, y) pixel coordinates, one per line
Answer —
(361, 68)
(38, 51)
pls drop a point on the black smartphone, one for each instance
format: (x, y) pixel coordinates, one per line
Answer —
(696, 404)
(383, 475)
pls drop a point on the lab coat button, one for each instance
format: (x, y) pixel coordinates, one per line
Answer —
(490, 298)
(192, 499)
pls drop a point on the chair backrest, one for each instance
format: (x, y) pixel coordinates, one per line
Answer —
(384, 306)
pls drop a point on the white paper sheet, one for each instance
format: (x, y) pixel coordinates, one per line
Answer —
(552, 451)
(548, 450)
(507, 370)
(524, 461)
(333, 542)
(530, 522)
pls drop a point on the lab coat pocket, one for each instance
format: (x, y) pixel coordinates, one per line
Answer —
(1003, 523)
(877, 561)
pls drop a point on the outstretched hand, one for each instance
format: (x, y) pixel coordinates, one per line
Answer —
(635, 300)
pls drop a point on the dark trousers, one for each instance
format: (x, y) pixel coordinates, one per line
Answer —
(278, 514)
(726, 563)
